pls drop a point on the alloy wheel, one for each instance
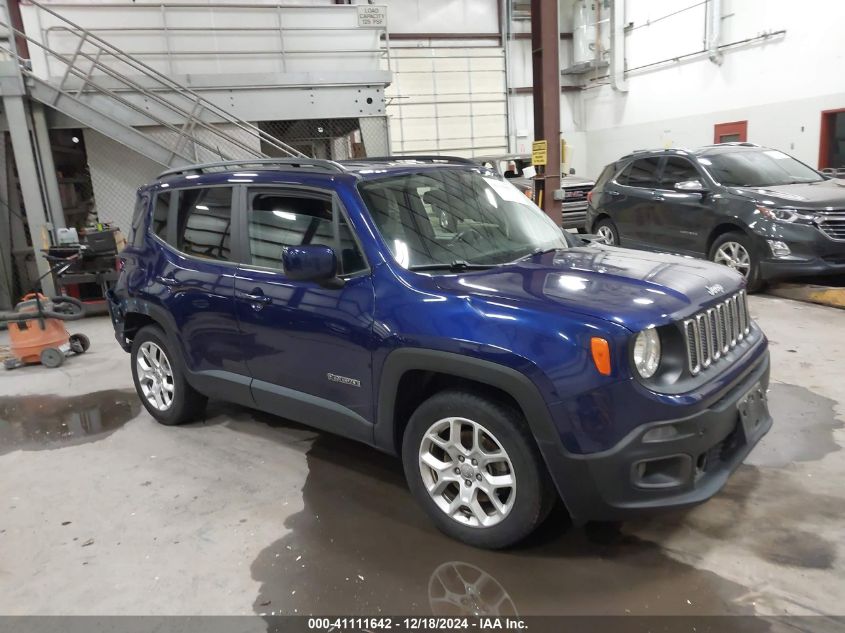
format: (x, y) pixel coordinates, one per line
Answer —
(467, 472)
(606, 236)
(155, 376)
(733, 255)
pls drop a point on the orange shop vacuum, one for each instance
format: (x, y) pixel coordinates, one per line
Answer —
(38, 333)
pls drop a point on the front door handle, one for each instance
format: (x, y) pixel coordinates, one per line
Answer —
(659, 198)
(256, 298)
(166, 281)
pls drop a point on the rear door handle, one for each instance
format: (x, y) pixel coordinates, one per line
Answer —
(659, 198)
(611, 192)
(257, 298)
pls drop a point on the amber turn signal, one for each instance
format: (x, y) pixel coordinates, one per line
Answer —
(601, 354)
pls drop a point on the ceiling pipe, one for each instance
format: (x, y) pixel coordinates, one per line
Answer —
(714, 31)
(617, 46)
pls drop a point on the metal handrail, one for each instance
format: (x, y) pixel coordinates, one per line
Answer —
(328, 165)
(166, 29)
(421, 158)
(190, 123)
(191, 119)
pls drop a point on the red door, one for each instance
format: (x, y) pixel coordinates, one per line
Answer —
(734, 132)
(832, 141)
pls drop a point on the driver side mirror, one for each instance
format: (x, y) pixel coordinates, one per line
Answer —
(312, 262)
(691, 186)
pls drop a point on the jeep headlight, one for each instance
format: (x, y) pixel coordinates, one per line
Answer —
(647, 352)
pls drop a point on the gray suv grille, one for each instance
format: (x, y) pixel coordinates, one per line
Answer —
(833, 224)
(714, 332)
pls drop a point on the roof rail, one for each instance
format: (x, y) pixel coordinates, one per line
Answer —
(734, 144)
(327, 165)
(422, 158)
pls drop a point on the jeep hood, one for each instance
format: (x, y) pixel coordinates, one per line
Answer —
(810, 195)
(635, 289)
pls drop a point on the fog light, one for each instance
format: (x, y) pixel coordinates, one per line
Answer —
(661, 433)
(779, 249)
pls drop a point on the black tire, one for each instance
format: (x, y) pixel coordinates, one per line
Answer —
(754, 283)
(534, 492)
(79, 343)
(52, 357)
(188, 404)
(608, 224)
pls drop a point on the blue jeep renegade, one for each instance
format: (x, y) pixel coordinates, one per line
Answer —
(426, 307)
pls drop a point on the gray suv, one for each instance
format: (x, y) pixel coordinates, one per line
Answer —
(755, 209)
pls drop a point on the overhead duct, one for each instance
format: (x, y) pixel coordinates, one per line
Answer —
(714, 31)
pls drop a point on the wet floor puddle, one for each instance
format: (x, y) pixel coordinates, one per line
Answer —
(38, 421)
(362, 546)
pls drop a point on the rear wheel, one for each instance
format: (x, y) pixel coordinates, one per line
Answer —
(735, 251)
(79, 343)
(473, 465)
(160, 380)
(607, 232)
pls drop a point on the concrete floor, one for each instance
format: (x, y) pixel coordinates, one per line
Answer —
(103, 511)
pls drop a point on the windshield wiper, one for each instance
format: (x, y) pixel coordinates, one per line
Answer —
(538, 251)
(455, 266)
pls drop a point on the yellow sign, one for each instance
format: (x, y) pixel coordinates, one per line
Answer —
(539, 153)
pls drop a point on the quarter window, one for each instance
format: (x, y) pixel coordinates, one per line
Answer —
(161, 212)
(279, 219)
(205, 223)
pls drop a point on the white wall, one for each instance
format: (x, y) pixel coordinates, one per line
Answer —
(779, 86)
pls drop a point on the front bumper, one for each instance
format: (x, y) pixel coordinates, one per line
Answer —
(812, 252)
(636, 476)
(777, 269)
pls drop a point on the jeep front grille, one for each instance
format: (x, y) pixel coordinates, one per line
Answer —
(711, 334)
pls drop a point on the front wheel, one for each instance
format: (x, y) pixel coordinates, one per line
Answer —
(160, 380)
(735, 251)
(472, 464)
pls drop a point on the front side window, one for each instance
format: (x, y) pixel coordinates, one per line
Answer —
(277, 219)
(757, 168)
(438, 218)
(677, 170)
(205, 222)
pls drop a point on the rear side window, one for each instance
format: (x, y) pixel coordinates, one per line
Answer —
(677, 170)
(279, 219)
(205, 223)
(641, 173)
(161, 212)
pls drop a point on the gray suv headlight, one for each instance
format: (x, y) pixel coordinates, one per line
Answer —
(647, 352)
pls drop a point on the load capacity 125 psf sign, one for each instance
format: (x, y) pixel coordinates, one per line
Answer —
(372, 16)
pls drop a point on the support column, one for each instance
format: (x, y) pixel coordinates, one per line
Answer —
(545, 58)
(12, 89)
(49, 178)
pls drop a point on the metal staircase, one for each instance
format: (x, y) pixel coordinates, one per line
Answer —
(112, 92)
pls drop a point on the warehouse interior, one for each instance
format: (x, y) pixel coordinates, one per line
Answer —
(265, 511)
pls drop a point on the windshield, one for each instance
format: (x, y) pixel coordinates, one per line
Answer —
(763, 168)
(446, 217)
